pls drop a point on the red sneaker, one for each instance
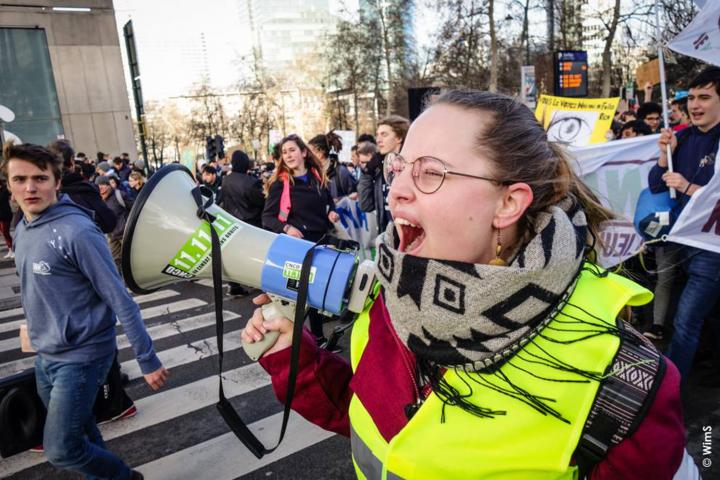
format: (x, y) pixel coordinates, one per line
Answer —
(38, 449)
(131, 411)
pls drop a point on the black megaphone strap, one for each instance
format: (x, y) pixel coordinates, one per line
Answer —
(227, 411)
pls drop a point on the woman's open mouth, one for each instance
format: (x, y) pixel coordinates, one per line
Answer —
(411, 236)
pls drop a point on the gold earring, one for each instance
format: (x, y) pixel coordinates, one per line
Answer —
(498, 261)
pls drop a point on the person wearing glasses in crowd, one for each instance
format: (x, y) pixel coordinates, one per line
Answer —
(490, 333)
(651, 113)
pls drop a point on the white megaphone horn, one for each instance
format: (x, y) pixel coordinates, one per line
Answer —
(165, 242)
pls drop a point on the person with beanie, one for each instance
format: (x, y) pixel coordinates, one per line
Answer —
(120, 203)
(243, 198)
(80, 190)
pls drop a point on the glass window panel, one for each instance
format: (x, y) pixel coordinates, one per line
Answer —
(27, 86)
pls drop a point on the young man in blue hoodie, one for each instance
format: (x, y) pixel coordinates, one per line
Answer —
(694, 151)
(71, 293)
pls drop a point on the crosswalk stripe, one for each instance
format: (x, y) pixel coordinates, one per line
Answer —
(10, 368)
(180, 326)
(146, 313)
(159, 295)
(162, 406)
(224, 457)
(156, 332)
(11, 313)
(169, 308)
(185, 354)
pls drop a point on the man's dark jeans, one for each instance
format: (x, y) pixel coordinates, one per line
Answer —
(698, 299)
(71, 438)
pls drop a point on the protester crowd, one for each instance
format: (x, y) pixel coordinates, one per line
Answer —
(647, 118)
(296, 194)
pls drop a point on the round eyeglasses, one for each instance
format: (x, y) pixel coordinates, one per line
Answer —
(428, 173)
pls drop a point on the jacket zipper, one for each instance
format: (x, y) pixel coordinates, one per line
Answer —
(410, 408)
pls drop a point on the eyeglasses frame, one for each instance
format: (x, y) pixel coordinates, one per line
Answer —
(445, 173)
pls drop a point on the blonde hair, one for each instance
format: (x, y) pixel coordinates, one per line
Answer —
(138, 177)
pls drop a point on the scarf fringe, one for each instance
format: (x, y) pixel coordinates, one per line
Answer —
(449, 395)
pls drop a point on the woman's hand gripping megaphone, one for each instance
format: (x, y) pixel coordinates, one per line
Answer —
(270, 328)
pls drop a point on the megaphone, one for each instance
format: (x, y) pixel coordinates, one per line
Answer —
(165, 241)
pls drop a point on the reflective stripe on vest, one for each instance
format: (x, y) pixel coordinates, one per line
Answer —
(522, 444)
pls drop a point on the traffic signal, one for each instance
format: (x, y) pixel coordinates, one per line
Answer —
(210, 149)
(220, 146)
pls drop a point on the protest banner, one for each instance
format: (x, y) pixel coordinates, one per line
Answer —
(617, 172)
(699, 224)
(701, 38)
(360, 226)
(576, 122)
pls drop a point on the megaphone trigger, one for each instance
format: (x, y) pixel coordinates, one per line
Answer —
(279, 307)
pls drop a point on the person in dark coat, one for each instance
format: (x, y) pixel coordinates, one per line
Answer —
(6, 216)
(242, 194)
(298, 201)
(243, 198)
(326, 148)
(372, 188)
(120, 204)
(121, 168)
(81, 191)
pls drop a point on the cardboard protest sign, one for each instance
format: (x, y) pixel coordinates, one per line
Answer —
(648, 72)
(576, 122)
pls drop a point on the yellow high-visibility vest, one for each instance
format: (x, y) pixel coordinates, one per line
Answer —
(522, 444)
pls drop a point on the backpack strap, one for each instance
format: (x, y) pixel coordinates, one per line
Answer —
(623, 399)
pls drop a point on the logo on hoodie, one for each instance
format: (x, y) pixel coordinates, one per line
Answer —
(41, 268)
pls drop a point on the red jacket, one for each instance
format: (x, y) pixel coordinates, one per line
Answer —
(325, 384)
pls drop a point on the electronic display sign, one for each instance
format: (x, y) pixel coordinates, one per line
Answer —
(571, 75)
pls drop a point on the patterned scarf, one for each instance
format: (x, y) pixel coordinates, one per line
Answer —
(476, 316)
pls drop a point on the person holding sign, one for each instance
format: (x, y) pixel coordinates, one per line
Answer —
(694, 152)
(491, 338)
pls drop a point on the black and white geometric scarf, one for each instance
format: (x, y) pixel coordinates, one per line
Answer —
(476, 316)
